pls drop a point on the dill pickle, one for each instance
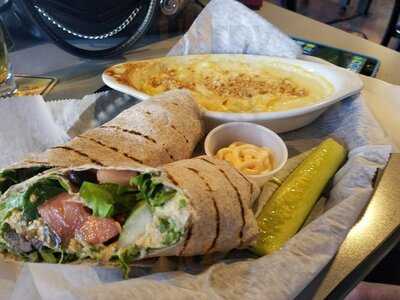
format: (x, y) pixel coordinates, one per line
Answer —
(283, 214)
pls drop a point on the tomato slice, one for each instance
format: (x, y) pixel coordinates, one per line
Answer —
(99, 230)
(68, 218)
(64, 215)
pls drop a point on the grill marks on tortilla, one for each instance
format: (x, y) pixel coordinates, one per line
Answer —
(172, 179)
(131, 132)
(37, 162)
(181, 116)
(95, 161)
(229, 219)
(146, 137)
(247, 180)
(111, 148)
(239, 197)
(101, 147)
(202, 233)
(184, 137)
(189, 232)
(188, 237)
(217, 217)
(151, 142)
(220, 205)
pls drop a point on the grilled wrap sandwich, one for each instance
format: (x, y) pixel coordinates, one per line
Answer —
(116, 215)
(160, 130)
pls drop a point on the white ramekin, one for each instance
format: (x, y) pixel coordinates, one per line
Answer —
(226, 134)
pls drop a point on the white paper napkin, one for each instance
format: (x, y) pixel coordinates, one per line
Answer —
(227, 26)
(26, 126)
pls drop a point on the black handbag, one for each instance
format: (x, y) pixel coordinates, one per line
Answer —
(86, 28)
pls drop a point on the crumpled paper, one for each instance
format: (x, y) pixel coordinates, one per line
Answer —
(281, 275)
(227, 26)
(26, 125)
(349, 121)
(74, 113)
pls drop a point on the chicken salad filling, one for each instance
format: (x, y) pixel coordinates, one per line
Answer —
(102, 215)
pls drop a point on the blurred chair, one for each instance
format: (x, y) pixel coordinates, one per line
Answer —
(393, 29)
(289, 4)
(363, 6)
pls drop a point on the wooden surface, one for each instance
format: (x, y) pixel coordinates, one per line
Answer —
(380, 220)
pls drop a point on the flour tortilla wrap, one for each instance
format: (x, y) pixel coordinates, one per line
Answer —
(160, 130)
(190, 207)
(222, 198)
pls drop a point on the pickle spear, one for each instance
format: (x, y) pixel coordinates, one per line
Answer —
(283, 214)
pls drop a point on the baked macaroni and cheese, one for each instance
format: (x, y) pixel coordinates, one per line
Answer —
(227, 83)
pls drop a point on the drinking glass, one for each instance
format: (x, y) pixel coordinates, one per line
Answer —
(7, 82)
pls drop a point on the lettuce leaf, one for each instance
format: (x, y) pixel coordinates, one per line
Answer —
(31, 198)
(153, 192)
(38, 193)
(55, 256)
(170, 231)
(48, 256)
(107, 200)
(126, 257)
(14, 176)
